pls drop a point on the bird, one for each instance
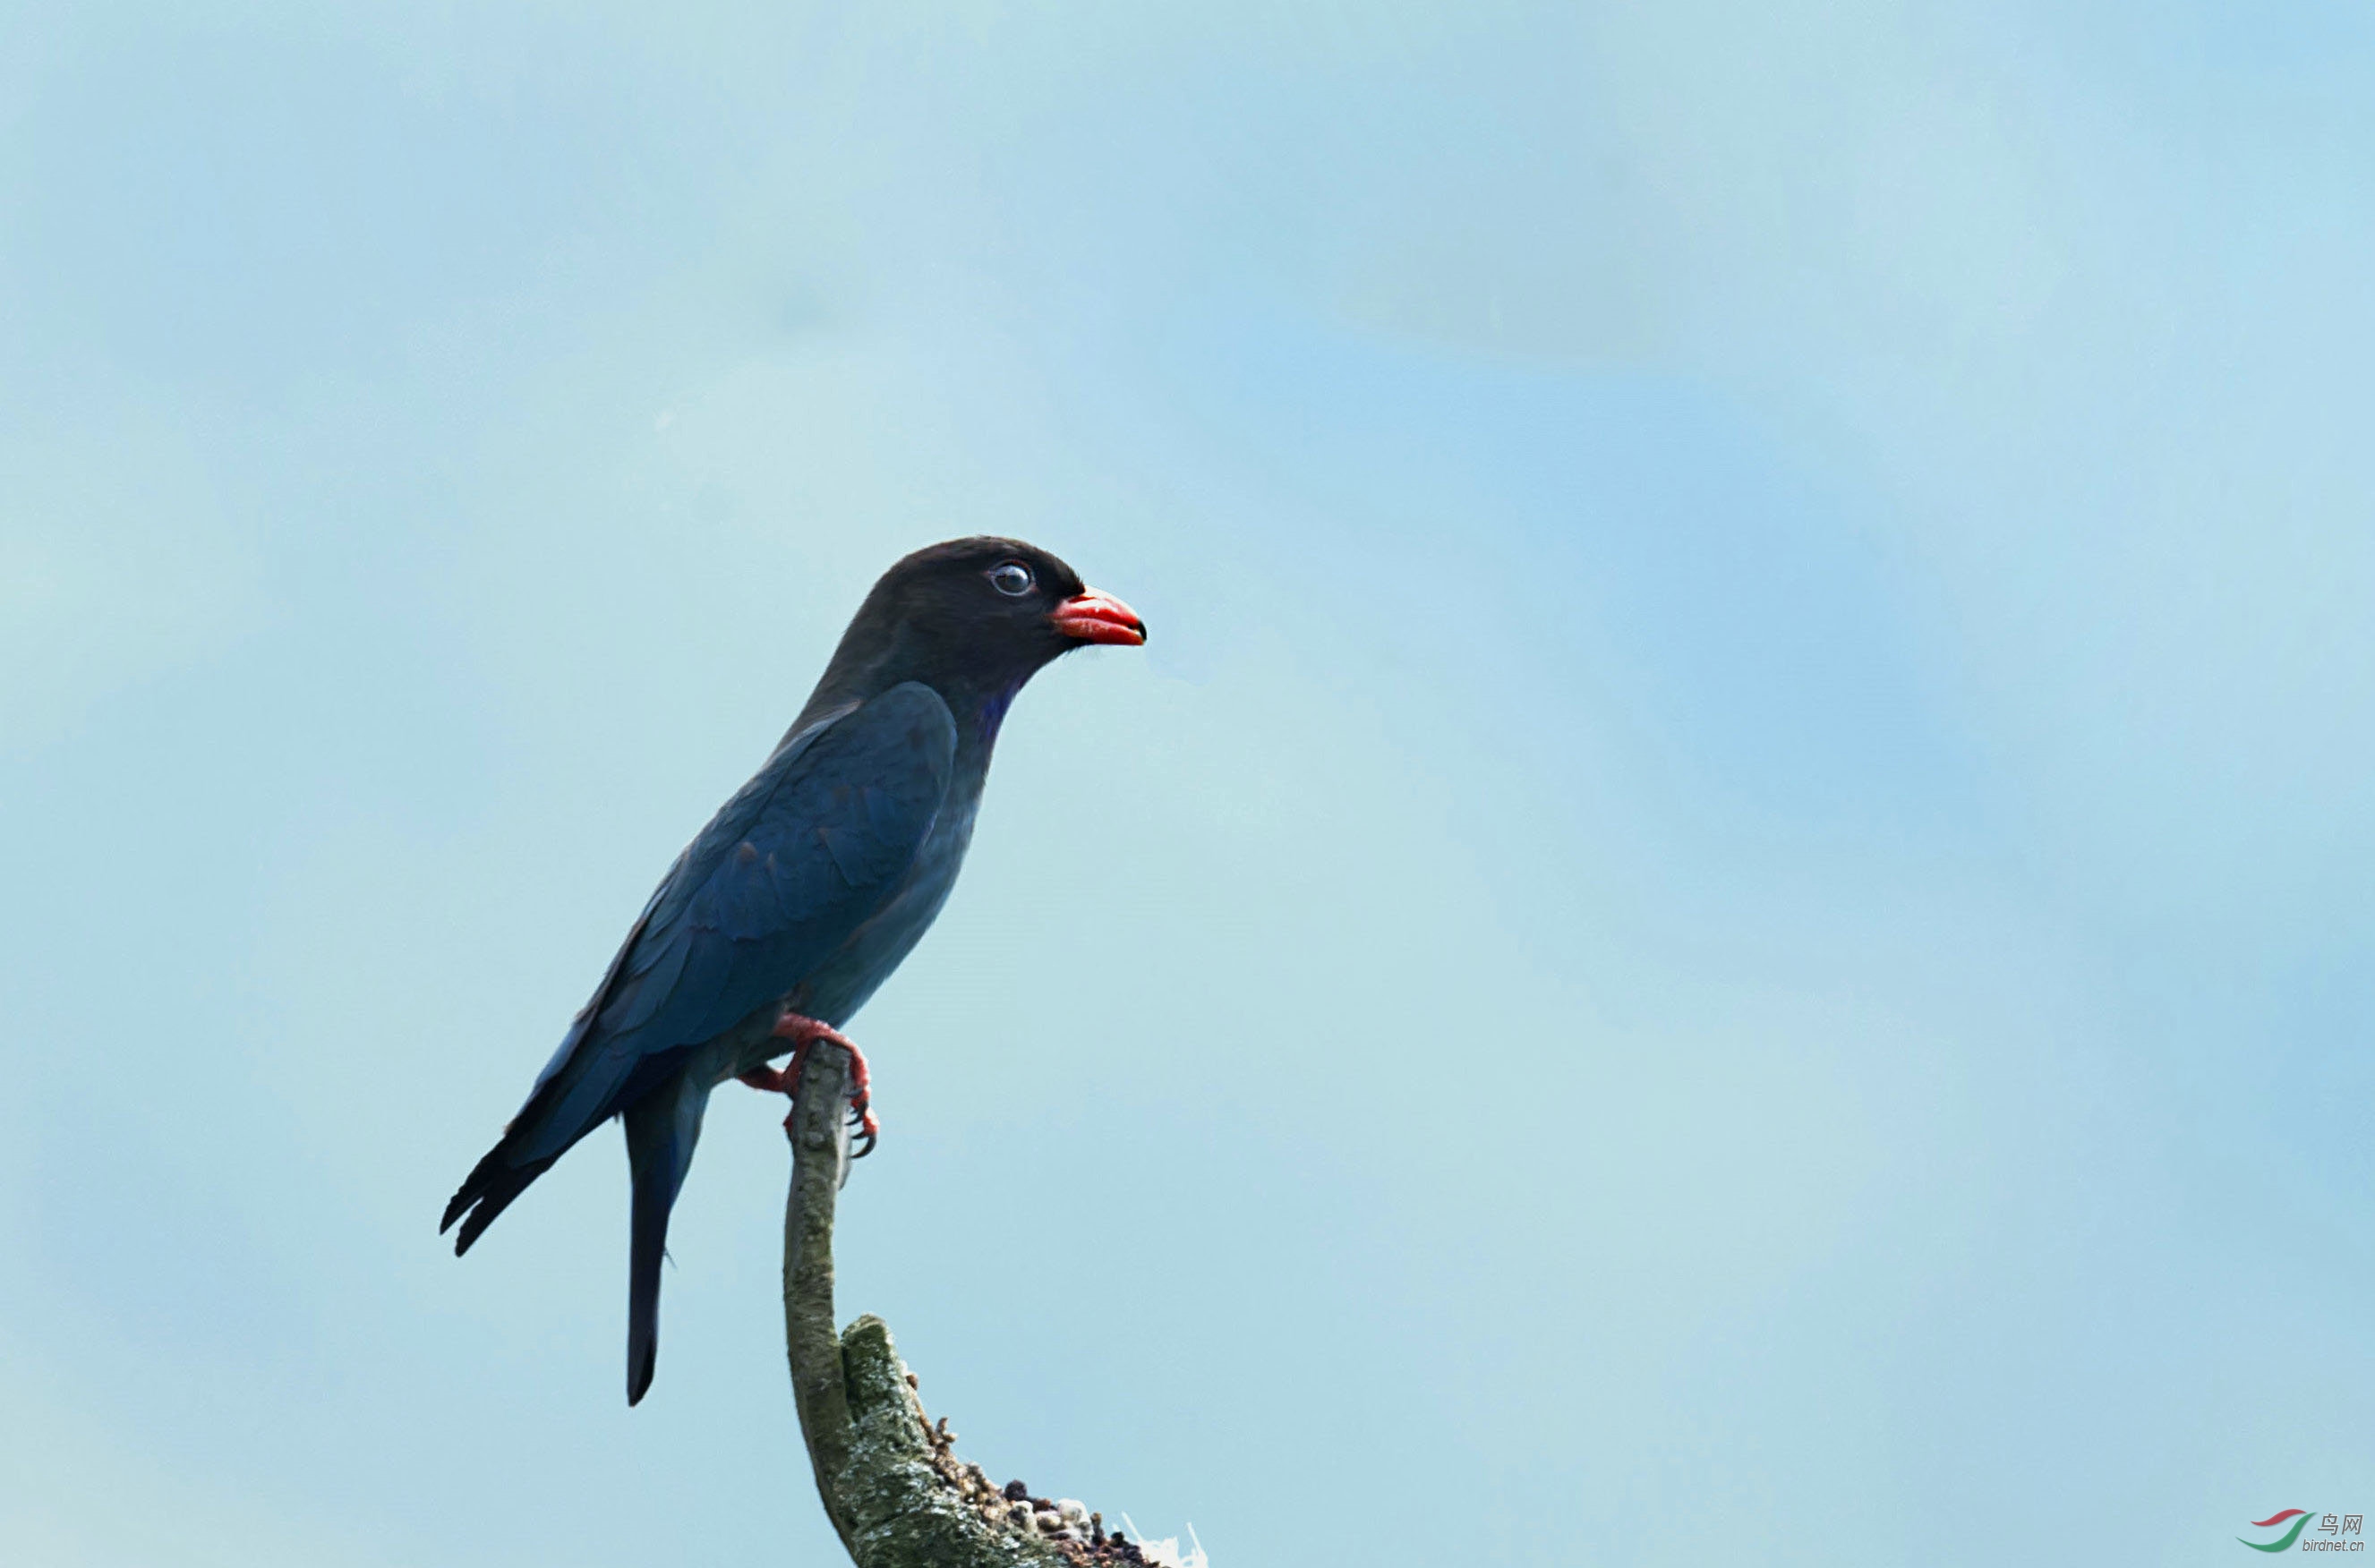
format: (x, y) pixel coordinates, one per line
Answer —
(805, 890)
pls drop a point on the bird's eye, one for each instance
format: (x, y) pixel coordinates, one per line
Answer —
(1012, 579)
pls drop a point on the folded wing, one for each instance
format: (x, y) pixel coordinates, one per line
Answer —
(809, 850)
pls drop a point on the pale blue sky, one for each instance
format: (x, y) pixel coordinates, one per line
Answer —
(1785, 589)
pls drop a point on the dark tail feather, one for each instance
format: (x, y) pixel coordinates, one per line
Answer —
(509, 1167)
(649, 1246)
(489, 1189)
(662, 1128)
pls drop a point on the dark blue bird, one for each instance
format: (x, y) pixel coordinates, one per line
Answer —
(805, 890)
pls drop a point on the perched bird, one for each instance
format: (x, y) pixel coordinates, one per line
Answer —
(804, 890)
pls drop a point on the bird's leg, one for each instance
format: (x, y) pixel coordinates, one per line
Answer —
(804, 1031)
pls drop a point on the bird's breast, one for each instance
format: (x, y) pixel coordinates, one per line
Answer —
(837, 988)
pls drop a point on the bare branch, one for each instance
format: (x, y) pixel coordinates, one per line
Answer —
(892, 1484)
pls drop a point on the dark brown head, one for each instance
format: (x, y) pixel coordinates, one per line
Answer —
(973, 619)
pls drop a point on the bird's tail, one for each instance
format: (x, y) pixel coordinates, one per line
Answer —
(662, 1127)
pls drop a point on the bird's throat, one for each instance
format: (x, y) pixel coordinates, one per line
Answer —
(989, 710)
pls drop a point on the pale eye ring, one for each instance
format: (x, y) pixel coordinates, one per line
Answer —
(1010, 578)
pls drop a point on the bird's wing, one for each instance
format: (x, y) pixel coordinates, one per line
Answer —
(803, 855)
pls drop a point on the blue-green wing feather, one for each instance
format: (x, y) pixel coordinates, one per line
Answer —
(805, 852)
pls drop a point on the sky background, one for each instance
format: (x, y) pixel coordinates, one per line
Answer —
(1731, 918)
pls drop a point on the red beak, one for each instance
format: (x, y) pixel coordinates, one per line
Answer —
(1099, 618)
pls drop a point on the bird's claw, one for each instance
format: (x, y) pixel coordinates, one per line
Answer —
(804, 1031)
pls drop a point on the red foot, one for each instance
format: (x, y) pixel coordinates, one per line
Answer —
(804, 1031)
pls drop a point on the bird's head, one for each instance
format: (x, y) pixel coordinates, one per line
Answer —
(981, 615)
